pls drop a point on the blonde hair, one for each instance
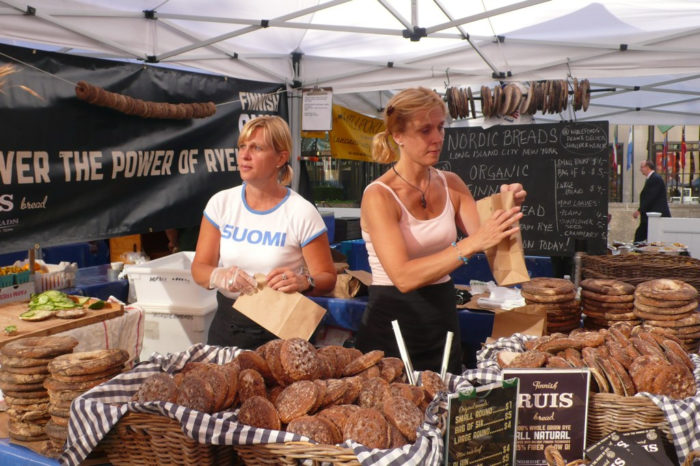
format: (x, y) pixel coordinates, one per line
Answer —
(399, 111)
(276, 133)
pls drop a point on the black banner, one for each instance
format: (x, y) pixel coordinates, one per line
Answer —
(72, 171)
(563, 167)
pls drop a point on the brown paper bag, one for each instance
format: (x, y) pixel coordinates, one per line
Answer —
(507, 258)
(287, 315)
(351, 283)
(346, 287)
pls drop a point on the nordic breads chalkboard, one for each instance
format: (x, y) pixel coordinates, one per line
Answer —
(563, 167)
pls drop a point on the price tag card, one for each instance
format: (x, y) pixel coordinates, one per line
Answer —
(481, 425)
(552, 410)
(642, 447)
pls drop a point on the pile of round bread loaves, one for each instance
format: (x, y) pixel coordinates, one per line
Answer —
(557, 297)
(622, 359)
(330, 394)
(40, 377)
(71, 375)
(24, 369)
(607, 301)
(671, 305)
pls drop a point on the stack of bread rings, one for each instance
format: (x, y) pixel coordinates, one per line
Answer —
(606, 301)
(557, 297)
(672, 305)
(24, 369)
(71, 375)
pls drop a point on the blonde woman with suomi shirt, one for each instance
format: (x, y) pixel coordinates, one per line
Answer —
(409, 220)
(261, 226)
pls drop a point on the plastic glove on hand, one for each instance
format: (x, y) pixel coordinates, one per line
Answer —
(232, 279)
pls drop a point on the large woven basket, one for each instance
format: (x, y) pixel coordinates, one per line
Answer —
(608, 412)
(293, 453)
(638, 268)
(150, 439)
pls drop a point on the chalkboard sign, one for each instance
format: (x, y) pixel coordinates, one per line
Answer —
(563, 167)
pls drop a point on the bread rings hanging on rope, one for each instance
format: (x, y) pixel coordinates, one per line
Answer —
(145, 109)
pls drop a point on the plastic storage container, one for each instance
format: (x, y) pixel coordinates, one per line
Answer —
(168, 282)
(329, 219)
(173, 329)
(356, 253)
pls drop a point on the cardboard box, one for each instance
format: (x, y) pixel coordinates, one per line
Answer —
(525, 320)
(14, 293)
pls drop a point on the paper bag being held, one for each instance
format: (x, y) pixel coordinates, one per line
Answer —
(287, 315)
(507, 258)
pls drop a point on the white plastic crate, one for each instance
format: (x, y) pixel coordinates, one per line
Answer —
(168, 282)
(52, 276)
(173, 329)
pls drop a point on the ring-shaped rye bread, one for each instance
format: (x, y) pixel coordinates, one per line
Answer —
(667, 288)
(39, 347)
(607, 286)
(640, 298)
(472, 105)
(690, 307)
(548, 286)
(88, 362)
(568, 297)
(691, 320)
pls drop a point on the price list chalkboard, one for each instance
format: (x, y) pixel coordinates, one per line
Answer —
(563, 167)
(481, 426)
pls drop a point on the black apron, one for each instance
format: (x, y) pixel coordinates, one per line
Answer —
(231, 328)
(425, 316)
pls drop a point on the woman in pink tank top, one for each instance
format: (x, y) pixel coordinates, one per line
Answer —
(409, 220)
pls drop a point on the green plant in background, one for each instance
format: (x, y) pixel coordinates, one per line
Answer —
(328, 193)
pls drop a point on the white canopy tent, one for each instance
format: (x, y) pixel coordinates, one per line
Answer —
(645, 54)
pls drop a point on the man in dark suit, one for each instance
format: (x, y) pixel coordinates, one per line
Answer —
(651, 199)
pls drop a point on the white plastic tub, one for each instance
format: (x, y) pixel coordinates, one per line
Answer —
(168, 282)
(170, 329)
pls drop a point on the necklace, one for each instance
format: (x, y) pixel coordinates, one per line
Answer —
(423, 203)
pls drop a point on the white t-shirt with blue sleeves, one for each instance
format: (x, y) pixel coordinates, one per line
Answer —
(258, 241)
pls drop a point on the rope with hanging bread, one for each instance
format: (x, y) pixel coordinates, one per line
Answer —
(145, 109)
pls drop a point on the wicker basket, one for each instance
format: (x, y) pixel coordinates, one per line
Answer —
(608, 412)
(637, 268)
(293, 452)
(150, 439)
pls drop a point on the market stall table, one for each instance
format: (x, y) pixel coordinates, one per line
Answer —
(124, 329)
(11, 454)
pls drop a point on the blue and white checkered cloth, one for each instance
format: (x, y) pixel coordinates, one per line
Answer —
(683, 416)
(95, 412)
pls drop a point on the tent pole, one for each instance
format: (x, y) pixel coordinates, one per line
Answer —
(295, 127)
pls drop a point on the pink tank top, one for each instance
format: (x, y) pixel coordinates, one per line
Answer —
(422, 237)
